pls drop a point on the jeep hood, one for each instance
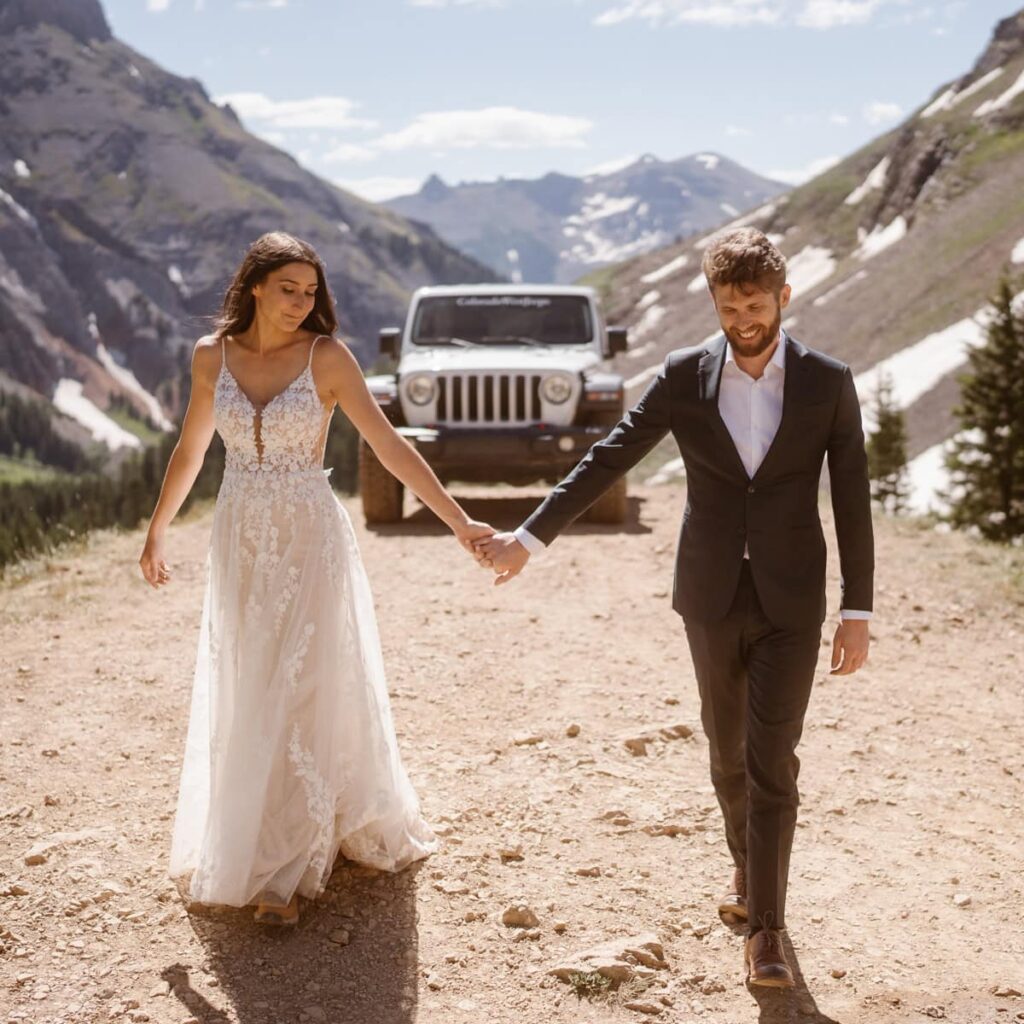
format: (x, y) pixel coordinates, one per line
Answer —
(498, 358)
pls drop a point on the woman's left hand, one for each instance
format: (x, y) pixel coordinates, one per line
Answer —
(466, 533)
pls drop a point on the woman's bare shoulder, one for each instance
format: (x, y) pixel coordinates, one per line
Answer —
(333, 352)
(206, 357)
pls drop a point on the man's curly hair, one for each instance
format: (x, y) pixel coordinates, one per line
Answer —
(746, 258)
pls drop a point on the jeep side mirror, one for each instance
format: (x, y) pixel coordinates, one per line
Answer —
(618, 340)
(389, 341)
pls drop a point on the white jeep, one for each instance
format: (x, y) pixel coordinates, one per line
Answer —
(497, 384)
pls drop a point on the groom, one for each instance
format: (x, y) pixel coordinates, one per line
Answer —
(754, 414)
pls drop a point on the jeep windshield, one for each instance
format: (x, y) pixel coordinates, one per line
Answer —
(497, 319)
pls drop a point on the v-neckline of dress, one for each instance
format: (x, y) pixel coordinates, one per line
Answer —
(260, 408)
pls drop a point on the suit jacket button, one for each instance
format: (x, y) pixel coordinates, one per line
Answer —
(751, 489)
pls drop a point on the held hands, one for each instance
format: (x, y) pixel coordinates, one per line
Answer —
(468, 532)
(850, 647)
(504, 554)
(154, 567)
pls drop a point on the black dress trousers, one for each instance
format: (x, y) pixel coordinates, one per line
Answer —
(755, 681)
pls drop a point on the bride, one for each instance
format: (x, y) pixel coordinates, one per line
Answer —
(291, 755)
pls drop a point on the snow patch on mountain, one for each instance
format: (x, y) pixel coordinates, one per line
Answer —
(874, 180)
(11, 283)
(17, 209)
(594, 248)
(177, 279)
(709, 160)
(880, 238)
(916, 369)
(21, 169)
(698, 284)
(672, 470)
(761, 213)
(666, 270)
(951, 97)
(1003, 99)
(69, 399)
(516, 275)
(809, 267)
(648, 322)
(928, 479)
(1017, 256)
(130, 382)
(838, 289)
(598, 206)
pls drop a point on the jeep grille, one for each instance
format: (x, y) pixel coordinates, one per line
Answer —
(488, 398)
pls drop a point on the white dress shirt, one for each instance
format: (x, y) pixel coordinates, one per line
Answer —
(752, 411)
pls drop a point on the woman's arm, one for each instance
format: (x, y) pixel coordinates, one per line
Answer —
(186, 459)
(339, 371)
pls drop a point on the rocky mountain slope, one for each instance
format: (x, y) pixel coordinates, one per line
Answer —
(893, 252)
(558, 227)
(126, 200)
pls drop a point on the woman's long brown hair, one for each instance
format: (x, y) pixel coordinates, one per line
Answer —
(266, 254)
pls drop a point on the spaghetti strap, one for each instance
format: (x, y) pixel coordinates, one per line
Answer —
(313, 346)
(223, 355)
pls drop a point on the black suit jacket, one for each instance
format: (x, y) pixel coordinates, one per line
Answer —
(775, 513)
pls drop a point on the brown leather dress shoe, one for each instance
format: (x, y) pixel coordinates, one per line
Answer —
(732, 907)
(766, 961)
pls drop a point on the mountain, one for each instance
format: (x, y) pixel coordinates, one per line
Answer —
(557, 228)
(893, 253)
(127, 198)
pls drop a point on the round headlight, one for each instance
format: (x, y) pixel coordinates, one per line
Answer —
(555, 390)
(420, 390)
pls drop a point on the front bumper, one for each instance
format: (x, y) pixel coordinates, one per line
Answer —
(502, 455)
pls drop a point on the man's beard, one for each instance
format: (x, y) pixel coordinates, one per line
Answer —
(760, 344)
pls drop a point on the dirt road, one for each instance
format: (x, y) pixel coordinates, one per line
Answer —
(906, 890)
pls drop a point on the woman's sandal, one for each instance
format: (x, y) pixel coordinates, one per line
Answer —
(278, 913)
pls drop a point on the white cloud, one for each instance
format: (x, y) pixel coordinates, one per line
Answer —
(723, 13)
(349, 153)
(157, 5)
(812, 14)
(832, 13)
(879, 112)
(840, 119)
(493, 127)
(438, 4)
(333, 112)
(802, 174)
(736, 131)
(260, 5)
(377, 190)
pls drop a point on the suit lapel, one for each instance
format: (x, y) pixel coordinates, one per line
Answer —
(709, 373)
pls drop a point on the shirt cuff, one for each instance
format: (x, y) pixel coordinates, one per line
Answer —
(527, 539)
(850, 613)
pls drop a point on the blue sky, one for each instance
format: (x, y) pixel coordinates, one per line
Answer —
(378, 94)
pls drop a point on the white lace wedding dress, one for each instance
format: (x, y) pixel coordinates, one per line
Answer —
(291, 753)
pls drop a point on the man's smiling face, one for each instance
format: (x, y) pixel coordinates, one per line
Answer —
(750, 316)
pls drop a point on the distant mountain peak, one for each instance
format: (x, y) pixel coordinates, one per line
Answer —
(82, 19)
(562, 226)
(434, 188)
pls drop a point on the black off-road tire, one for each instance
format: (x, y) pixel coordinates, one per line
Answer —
(611, 507)
(381, 492)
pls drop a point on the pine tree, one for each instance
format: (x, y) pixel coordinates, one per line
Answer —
(887, 450)
(986, 460)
